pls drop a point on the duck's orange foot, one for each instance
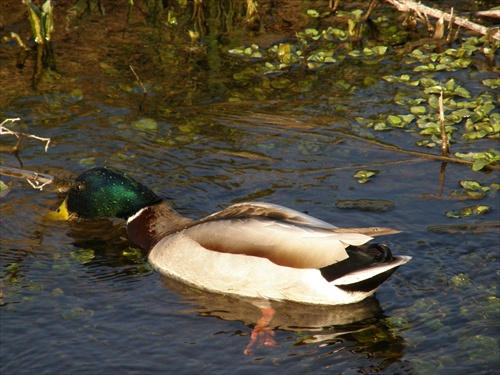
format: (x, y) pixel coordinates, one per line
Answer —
(262, 334)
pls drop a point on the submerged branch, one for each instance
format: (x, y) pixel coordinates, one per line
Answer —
(35, 179)
(144, 90)
(304, 124)
(415, 153)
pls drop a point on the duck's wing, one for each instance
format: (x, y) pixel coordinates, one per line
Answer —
(280, 213)
(284, 236)
(271, 211)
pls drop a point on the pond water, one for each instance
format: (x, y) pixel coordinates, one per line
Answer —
(78, 298)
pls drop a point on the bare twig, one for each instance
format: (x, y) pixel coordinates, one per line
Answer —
(4, 130)
(450, 25)
(439, 33)
(406, 5)
(445, 143)
(9, 120)
(35, 179)
(138, 80)
(372, 6)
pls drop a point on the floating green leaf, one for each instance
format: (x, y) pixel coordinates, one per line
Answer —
(311, 32)
(355, 53)
(493, 83)
(363, 176)
(481, 159)
(83, 256)
(379, 50)
(394, 120)
(468, 211)
(460, 91)
(418, 110)
(474, 189)
(313, 13)
(338, 33)
(425, 68)
(428, 82)
(4, 189)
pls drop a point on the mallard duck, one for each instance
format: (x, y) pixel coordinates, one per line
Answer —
(253, 249)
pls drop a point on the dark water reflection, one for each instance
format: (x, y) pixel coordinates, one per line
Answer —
(79, 298)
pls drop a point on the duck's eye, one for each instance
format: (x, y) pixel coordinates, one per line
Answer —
(79, 186)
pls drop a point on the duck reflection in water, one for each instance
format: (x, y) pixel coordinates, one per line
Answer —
(317, 324)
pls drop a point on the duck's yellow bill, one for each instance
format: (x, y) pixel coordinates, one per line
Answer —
(60, 213)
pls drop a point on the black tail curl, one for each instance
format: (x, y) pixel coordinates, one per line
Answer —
(360, 257)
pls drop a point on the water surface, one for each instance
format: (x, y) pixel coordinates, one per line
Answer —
(79, 298)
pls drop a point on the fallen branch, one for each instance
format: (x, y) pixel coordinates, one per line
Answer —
(407, 5)
(35, 179)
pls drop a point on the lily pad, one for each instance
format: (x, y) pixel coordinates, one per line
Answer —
(474, 189)
(418, 110)
(481, 159)
(468, 211)
(394, 120)
(364, 176)
(492, 83)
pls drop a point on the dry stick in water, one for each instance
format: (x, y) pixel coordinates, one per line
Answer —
(406, 5)
(445, 143)
(144, 90)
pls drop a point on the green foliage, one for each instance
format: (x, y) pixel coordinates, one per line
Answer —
(474, 189)
(480, 159)
(83, 256)
(41, 21)
(465, 116)
(468, 211)
(364, 176)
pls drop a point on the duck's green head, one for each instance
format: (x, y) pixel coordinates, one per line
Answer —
(105, 192)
